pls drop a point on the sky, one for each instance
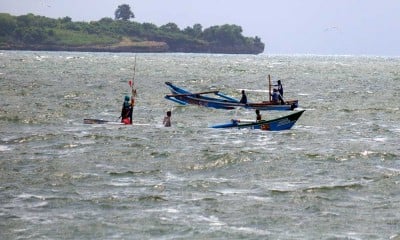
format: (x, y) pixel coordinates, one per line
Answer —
(322, 27)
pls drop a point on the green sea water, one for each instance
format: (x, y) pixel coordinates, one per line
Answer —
(335, 175)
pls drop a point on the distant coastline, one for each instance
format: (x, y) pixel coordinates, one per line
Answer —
(38, 33)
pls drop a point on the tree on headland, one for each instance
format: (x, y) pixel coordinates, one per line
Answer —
(124, 12)
(66, 20)
(8, 24)
(170, 27)
(226, 34)
(194, 31)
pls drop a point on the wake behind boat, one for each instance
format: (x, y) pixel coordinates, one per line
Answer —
(277, 124)
(222, 101)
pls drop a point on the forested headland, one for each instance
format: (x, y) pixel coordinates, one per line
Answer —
(33, 32)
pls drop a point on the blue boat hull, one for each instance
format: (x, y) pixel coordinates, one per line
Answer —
(277, 124)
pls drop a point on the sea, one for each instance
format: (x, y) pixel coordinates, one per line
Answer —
(334, 175)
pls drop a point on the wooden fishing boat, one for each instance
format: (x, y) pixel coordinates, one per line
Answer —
(277, 124)
(222, 101)
(102, 121)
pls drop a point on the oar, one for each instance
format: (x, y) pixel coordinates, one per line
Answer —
(132, 82)
(133, 90)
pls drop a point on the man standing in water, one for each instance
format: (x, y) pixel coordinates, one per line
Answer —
(167, 119)
(126, 112)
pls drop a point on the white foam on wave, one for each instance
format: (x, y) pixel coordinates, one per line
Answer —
(212, 220)
(380, 139)
(396, 130)
(248, 230)
(171, 210)
(230, 191)
(295, 148)
(394, 170)
(260, 199)
(167, 210)
(172, 177)
(4, 148)
(120, 184)
(366, 153)
(253, 90)
(26, 196)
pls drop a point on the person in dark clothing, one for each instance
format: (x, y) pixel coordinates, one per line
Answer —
(258, 115)
(280, 88)
(277, 97)
(126, 112)
(167, 119)
(244, 98)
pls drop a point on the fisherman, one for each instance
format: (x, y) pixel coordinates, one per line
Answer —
(280, 88)
(167, 119)
(258, 115)
(244, 98)
(276, 97)
(126, 112)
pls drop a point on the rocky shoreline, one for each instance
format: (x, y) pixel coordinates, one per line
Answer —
(137, 47)
(161, 48)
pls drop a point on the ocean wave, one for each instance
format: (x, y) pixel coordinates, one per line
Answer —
(334, 186)
(284, 188)
(131, 173)
(250, 230)
(218, 161)
(334, 155)
(340, 157)
(4, 148)
(152, 198)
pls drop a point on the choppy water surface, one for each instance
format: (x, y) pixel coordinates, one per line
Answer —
(335, 175)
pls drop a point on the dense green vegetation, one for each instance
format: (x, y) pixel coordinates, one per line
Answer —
(34, 32)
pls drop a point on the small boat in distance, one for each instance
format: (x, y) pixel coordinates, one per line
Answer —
(222, 101)
(277, 124)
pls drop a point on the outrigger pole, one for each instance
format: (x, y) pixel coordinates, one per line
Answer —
(269, 84)
(133, 91)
